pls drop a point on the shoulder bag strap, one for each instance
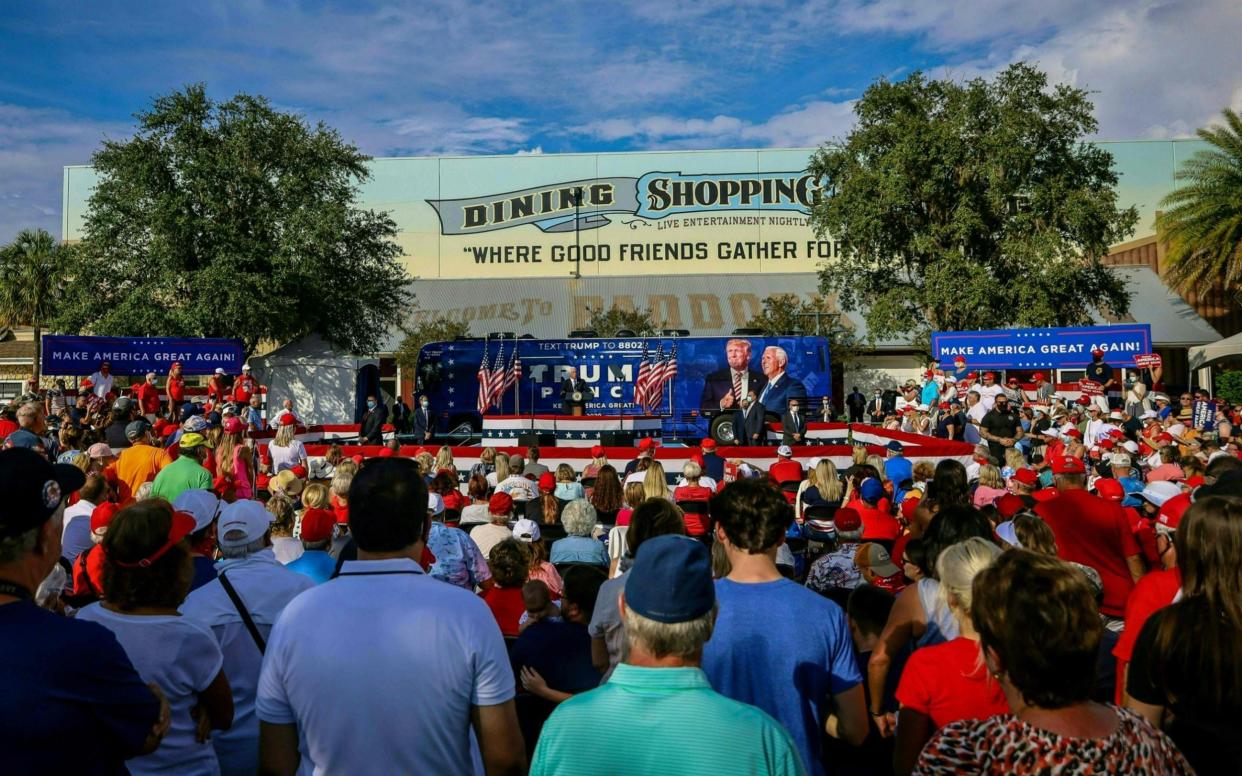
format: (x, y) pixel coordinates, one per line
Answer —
(245, 614)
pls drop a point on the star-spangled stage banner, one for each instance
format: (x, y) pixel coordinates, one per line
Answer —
(1059, 348)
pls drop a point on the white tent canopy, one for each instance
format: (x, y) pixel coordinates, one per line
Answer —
(321, 382)
(1206, 355)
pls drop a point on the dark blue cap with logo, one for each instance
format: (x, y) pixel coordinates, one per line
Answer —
(671, 580)
(33, 488)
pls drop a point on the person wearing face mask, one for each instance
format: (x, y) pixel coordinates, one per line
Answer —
(422, 420)
(372, 429)
(880, 405)
(793, 425)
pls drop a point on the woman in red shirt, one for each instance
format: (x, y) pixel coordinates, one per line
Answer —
(872, 506)
(948, 682)
(696, 524)
(176, 388)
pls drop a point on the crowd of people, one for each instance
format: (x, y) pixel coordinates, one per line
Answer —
(196, 600)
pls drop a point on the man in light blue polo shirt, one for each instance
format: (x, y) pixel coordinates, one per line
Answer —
(669, 606)
(386, 669)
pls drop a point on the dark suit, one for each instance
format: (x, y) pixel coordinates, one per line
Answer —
(789, 428)
(720, 384)
(373, 425)
(776, 395)
(567, 390)
(887, 404)
(713, 466)
(751, 425)
(421, 422)
(856, 403)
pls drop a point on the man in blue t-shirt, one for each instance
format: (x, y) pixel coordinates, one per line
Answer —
(70, 699)
(897, 468)
(776, 644)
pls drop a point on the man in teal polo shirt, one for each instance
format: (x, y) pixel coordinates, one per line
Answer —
(186, 472)
(669, 607)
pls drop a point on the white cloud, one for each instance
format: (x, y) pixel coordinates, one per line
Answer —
(449, 133)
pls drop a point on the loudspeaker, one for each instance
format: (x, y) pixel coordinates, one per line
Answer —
(617, 438)
(536, 439)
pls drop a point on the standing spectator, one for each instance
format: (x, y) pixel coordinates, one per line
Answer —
(141, 461)
(1102, 373)
(245, 387)
(668, 608)
(239, 608)
(186, 472)
(776, 644)
(286, 450)
(855, 403)
(793, 424)
(176, 389)
(286, 408)
(147, 394)
(416, 634)
(76, 536)
(147, 572)
(316, 534)
(458, 559)
(121, 416)
(1047, 675)
(218, 388)
(948, 682)
(71, 700)
(1000, 427)
(101, 381)
(579, 546)
(533, 467)
(254, 415)
(372, 429)
(1186, 675)
(496, 530)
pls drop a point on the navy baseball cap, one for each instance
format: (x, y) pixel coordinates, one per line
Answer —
(895, 446)
(871, 489)
(33, 488)
(671, 580)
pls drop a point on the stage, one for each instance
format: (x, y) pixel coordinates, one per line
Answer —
(566, 430)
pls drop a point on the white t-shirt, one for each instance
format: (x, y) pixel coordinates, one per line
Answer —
(475, 514)
(183, 659)
(75, 537)
(489, 535)
(265, 587)
(976, 412)
(519, 488)
(423, 653)
(988, 394)
(101, 384)
(286, 457)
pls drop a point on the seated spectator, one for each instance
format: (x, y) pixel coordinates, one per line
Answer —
(991, 486)
(872, 507)
(458, 560)
(509, 561)
(822, 487)
(516, 486)
(147, 572)
(1186, 674)
(634, 496)
(539, 604)
(444, 484)
(607, 495)
(877, 568)
(552, 656)
(579, 546)
(786, 469)
(567, 486)
(475, 513)
(669, 608)
(541, 569)
(72, 701)
(1047, 675)
(284, 545)
(948, 682)
(656, 517)
(655, 482)
(836, 570)
(696, 524)
(496, 530)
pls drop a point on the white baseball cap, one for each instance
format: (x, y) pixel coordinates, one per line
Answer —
(245, 367)
(435, 503)
(1159, 492)
(1130, 446)
(219, 370)
(526, 530)
(202, 504)
(247, 519)
(785, 451)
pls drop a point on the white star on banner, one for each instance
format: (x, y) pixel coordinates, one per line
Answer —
(452, 389)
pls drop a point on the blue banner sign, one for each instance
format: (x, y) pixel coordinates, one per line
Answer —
(73, 355)
(1064, 348)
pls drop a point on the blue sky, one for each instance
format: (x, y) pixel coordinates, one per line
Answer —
(467, 77)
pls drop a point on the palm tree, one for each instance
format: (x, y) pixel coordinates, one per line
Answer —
(1203, 223)
(31, 284)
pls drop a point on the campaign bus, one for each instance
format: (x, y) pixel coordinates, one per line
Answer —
(695, 390)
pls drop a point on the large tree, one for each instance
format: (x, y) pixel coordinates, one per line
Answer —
(32, 282)
(785, 314)
(970, 205)
(233, 219)
(1203, 223)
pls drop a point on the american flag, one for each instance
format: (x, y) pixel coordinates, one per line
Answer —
(496, 388)
(667, 371)
(640, 379)
(514, 371)
(485, 381)
(655, 380)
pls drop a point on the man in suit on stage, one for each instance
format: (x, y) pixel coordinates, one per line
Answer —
(883, 403)
(856, 403)
(569, 386)
(725, 388)
(793, 424)
(781, 387)
(748, 422)
(421, 420)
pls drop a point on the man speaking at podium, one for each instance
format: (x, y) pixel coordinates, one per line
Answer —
(574, 393)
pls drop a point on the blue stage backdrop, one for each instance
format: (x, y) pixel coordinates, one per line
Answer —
(1066, 348)
(73, 355)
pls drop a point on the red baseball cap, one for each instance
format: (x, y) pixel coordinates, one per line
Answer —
(298, 471)
(646, 443)
(1107, 444)
(1037, 376)
(1045, 494)
(385, 452)
(547, 482)
(929, 373)
(174, 364)
(1097, 352)
(959, 360)
(1013, 380)
(287, 420)
(1194, 482)
(1074, 433)
(597, 451)
(944, 405)
(1084, 400)
(1171, 511)
(1068, 464)
(1026, 476)
(708, 444)
(102, 515)
(847, 519)
(1110, 489)
(500, 504)
(181, 526)
(972, 376)
(317, 524)
(1010, 505)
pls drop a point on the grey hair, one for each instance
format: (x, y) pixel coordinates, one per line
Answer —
(245, 550)
(578, 518)
(692, 471)
(782, 357)
(662, 639)
(957, 567)
(13, 548)
(849, 536)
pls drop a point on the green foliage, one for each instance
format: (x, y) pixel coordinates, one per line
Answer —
(234, 220)
(970, 205)
(32, 283)
(606, 323)
(1229, 386)
(437, 330)
(785, 314)
(1203, 223)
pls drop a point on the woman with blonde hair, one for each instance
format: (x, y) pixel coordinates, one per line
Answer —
(286, 450)
(655, 484)
(500, 471)
(991, 486)
(947, 682)
(822, 487)
(444, 460)
(235, 460)
(567, 486)
(635, 494)
(599, 459)
(426, 465)
(858, 456)
(877, 462)
(286, 548)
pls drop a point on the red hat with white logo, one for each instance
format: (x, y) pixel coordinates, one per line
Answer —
(1068, 464)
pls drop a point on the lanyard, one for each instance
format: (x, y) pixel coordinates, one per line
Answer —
(15, 590)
